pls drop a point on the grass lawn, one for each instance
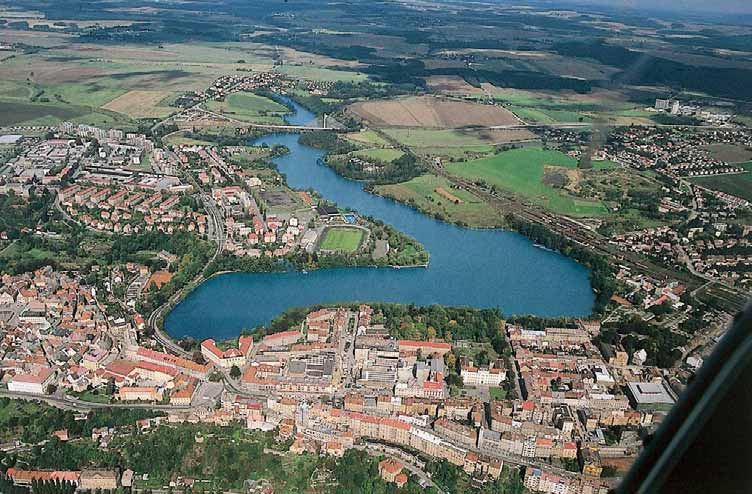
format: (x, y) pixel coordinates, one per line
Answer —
(521, 171)
(604, 165)
(342, 239)
(180, 140)
(250, 107)
(17, 250)
(384, 155)
(497, 393)
(430, 193)
(92, 397)
(739, 185)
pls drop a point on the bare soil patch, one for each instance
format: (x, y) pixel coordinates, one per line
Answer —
(448, 195)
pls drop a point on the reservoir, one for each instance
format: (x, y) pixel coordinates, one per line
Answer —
(479, 268)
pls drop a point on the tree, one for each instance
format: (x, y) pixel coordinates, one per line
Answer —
(198, 357)
(431, 333)
(235, 372)
(451, 360)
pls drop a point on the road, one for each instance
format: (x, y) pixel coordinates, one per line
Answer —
(218, 235)
(84, 406)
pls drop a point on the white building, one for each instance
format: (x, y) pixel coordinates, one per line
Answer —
(224, 359)
(475, 376)
(32, 383)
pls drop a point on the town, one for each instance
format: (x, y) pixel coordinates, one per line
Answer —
(565, 408)
(558, 406)
(368, 247)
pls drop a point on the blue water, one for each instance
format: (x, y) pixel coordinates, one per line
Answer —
(480, 268)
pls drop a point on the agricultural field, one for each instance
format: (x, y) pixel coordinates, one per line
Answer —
(367, 137)
(456, 144)
(452, 84)
(342, 239)
(534, 115)
(15, 113)
(731, 153)
(431, 112)
(539, 175)
(249, 107)
(739, 185)
(141, 104)
(314, 73)
(435, 196)
(383, 155)
(556, 107)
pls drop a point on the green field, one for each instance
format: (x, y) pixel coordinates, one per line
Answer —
(367, 137)
(21, 112)
(521, 171)
(250, 107)
(739, 185)
(420, 192)
(99, 396)
(342, 239)
(383, 155)
(321, 74)
(14, 113)
(497, 393)
(430, 138)
(731, 153)
(454, 144)
(545, 115)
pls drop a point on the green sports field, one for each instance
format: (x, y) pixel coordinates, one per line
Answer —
(342, 239)
(521, 171)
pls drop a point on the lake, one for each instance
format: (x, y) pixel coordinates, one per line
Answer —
(479, 268)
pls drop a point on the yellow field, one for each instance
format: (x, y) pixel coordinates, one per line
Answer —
(430, 112)
(140, 104)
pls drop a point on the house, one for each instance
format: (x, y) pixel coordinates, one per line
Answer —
(639, 357)
(221, 358)
(389, 469)
(335, 448)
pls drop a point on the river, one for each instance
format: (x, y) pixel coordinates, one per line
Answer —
(479, 268)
